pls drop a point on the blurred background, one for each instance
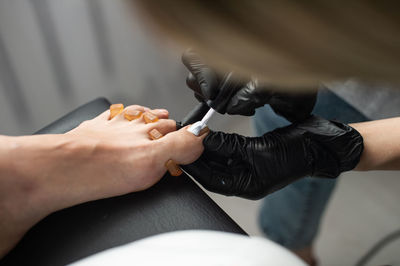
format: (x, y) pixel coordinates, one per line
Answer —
(56, 55)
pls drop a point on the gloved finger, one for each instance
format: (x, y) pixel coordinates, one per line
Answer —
(247, 99)
(206, 77)
(192, 83)
(199, 97)
(247, 110)
(213, 175)
(196, 114)
(226, 145)
(240, 103)
(229, 84)
(293, 106)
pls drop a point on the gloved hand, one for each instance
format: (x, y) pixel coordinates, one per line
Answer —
(237, 95)
(252, 167)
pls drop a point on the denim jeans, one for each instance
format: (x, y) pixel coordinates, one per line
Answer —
(291, 216)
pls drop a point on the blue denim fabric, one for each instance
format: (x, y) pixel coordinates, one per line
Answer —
(291, 216)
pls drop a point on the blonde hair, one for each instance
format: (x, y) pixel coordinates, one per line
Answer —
(287, 42)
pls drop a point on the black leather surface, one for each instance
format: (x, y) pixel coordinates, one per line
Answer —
(175, 203)
(77, 116)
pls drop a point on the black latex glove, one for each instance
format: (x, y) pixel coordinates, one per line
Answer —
(233, 95)
(252, 167)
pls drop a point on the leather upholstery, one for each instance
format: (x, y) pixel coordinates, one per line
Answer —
(77, 116)
(175, 203)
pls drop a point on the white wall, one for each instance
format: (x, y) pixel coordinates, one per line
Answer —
(141, 69)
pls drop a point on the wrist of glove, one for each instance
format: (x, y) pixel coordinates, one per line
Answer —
(252, 167)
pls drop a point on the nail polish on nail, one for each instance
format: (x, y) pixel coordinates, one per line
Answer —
(204, 131)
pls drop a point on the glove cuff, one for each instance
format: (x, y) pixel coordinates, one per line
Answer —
(334, 147)
(351, 153)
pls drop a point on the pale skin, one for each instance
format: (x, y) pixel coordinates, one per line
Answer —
(381, 144)
(101, 158)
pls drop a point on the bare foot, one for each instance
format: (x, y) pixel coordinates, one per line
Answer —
(107, 156)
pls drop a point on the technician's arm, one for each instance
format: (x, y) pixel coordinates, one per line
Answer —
(381, 144)
(254, 167)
